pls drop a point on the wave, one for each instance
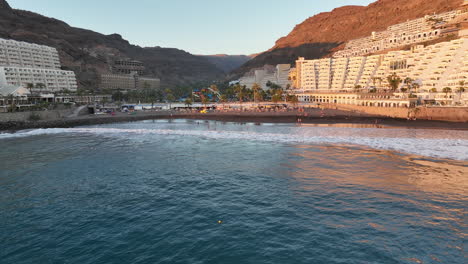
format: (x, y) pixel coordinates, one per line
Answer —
(431, 147)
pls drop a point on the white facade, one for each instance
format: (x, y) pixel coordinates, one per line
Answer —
(24, 64)
(53, 80)
(433, 67)
(22, 54)
(279, 75)
(407, 33)
(282, 75)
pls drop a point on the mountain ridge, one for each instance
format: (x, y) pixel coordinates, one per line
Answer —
(85, 51)
(227, 62)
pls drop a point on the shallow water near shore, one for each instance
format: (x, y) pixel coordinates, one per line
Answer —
(154, 191)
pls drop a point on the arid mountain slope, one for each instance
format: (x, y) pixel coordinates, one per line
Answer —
(319, 35)
(85, 51)
(227, 63)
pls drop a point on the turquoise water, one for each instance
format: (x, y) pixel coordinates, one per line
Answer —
(154, 191)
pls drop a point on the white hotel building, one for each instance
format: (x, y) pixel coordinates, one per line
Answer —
(23, 64)
(433, 68)
(415, 31)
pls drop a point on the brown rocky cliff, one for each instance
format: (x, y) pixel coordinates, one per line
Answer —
(317, 36)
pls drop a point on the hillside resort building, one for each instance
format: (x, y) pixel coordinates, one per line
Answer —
(127, 75)
(263, 77)
(33, 66)
(429, 57)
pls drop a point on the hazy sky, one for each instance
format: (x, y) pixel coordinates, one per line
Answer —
(197, 26)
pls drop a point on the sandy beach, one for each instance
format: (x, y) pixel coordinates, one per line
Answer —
(313, 116)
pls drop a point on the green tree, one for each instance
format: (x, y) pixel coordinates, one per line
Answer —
(447, 90)
(117, 96)
(293, 99)
(12, 103)
(188, 102)
(170, 98)
(30, 87)
(394, 81)
(256, 89)
(277, 96)
(409, 83)
(240, 92)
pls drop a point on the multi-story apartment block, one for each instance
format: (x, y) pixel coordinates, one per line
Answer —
(431, 70)
(127, 82)
(127, 75)
(339, 70)
(408, 33)
(282, 75)
(325, 73)
(354, 72)
(307, 74)
(21, 54)
(128, 67)
(434, 71)
(278, 75)
(38, 80)
(33, 66)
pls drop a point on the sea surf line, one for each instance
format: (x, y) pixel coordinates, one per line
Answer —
(431, 147)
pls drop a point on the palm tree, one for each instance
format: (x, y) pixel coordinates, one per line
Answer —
(394, 81)
(12, 103)
(415, 87)
(277, 96)
(239, 90)
(461, 87)
(408, 81)
(170, 98)
(188, 102)
(223, 99)
(30, 86)
(447, 90)
(293, 99)
(255, 89)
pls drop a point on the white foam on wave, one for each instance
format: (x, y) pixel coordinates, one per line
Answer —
(456, 149)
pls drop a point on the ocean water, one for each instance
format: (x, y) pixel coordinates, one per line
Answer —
(155, 191)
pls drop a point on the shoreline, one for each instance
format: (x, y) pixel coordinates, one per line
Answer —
(238, 117)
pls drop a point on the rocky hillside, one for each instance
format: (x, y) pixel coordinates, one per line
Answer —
(86, 52)
(319, 35)
(227, 63)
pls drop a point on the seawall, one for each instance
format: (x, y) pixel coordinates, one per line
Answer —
(450, 114)
(41, 115)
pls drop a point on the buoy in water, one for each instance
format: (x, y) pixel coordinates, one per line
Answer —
(220, 222)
